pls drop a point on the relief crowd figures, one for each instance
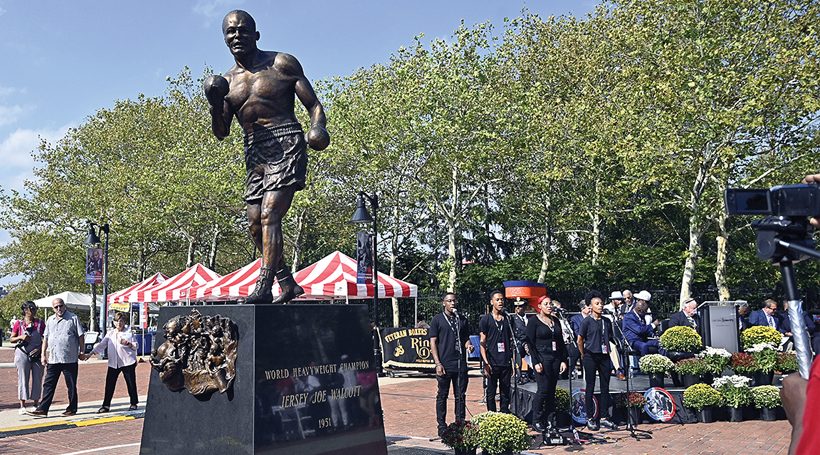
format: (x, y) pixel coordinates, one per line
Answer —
(199, 354)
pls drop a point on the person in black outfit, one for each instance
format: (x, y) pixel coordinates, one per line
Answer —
(519, 325)
(496, 352)
(593, 342)
(449, 338)
(549, 354)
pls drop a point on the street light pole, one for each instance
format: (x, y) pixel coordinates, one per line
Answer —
(361, 216)
(94, 239)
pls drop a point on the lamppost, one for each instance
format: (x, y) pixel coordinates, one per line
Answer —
(94, 239)
(362, 217)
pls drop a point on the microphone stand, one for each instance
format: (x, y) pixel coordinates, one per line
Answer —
(627, 349)
(515, 368)
(574, 341)
(461, 353)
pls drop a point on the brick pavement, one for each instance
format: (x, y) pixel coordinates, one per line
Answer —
(409, 408)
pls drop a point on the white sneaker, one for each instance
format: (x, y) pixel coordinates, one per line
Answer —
(22, 411)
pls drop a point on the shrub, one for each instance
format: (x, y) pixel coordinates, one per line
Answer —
(759, 334)
(717, 359)
(655, 364)
(562, 399)
(693, 366)
(766, 396)
(499, 432)
(786, 362)
(743, 363)
(461, 435)
(734, 389)
(765, 357)
(700, 396)
(681, 339)
(631, 400)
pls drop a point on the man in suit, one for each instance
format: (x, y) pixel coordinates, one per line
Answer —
(768, 316)
(687, 316)
(636, 330)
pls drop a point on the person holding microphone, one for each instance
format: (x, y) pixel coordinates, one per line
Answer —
(549, 358)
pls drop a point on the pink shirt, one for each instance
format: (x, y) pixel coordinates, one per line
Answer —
(119, 355)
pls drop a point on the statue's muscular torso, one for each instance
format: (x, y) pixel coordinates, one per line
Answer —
(264, 95)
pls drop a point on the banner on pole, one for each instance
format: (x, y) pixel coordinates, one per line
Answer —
(94, 266)
(364, 258)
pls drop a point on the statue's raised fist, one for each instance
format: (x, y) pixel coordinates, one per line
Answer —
(216, 87)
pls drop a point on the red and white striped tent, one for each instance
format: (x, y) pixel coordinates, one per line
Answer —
(123, 295)
(233, 286)
(175, 288)
(333, 277)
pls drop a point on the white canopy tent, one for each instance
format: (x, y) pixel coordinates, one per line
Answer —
(73, 300)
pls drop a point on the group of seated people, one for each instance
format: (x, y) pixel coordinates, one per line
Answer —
(770, 315)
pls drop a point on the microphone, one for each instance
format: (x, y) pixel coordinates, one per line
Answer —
(606, 311)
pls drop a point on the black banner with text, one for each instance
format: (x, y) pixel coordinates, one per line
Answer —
(406, 348)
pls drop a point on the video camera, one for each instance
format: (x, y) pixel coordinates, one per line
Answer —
(787, 209)
(782, 200)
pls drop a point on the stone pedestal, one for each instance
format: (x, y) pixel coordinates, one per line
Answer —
(305, 384)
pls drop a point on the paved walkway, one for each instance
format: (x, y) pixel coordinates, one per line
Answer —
(409, 410)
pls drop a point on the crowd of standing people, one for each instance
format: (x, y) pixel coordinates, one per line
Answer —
(46, 350)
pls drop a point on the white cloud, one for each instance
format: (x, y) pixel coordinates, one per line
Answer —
(6, 91)
(213, 10)
(10, 114)
(16, 150)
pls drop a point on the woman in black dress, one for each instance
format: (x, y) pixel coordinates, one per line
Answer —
(549, 354)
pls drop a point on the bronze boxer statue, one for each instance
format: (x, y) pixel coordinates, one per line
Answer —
(259, 90)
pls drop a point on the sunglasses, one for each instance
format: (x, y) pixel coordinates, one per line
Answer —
(58, 306)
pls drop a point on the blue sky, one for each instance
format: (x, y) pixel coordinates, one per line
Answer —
(64, 60)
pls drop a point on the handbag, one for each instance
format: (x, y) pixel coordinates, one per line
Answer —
(34, 355)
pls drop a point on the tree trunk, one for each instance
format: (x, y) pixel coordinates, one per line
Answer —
(453, 234)
(297, 239)
(720, 266)
(394, 246)
(596, 226)
(214, 248)
(189, 261)
(695, 231)
(452, 254)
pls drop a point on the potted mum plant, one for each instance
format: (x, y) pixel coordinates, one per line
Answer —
(691, 371)
(633, 402)
(759, 334)
(462, 437)
(717, 359)
(767, 399)
(743, 363)
(656, 366)
(765, 358)
(736, 394)
(681, 342)
(500, 433)
(786, 362)
(703, 398)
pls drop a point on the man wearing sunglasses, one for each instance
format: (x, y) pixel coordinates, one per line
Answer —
(62, 341)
